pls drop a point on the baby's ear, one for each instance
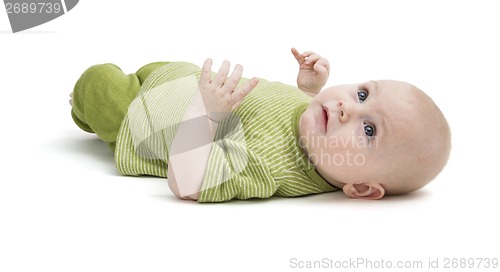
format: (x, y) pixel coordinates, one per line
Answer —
(365, 190)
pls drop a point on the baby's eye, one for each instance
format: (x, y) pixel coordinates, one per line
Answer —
(369, 130)
(362, 95)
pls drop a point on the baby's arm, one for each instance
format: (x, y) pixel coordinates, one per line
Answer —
(313, 72)
(191, 147)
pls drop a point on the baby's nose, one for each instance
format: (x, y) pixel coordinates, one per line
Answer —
(341, 111)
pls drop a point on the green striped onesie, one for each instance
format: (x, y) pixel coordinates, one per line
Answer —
(256, 152)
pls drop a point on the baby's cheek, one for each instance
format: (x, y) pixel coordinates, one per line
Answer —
(344, 155)
(306, 125)
(306, 119)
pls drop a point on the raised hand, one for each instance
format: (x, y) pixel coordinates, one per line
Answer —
(220, 94)
(313, 72)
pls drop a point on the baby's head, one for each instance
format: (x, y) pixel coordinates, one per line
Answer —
(376, 138)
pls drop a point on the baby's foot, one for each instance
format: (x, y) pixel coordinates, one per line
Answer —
(71, 100)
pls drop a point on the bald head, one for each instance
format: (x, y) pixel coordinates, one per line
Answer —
(425, 142)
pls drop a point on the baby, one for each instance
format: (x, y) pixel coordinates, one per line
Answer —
(219, 136)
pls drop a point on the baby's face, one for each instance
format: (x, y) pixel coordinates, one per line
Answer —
(352, 133)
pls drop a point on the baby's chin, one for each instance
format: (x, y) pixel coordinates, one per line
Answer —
(326, 175)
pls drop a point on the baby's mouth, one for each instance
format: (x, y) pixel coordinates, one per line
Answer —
(325, 116)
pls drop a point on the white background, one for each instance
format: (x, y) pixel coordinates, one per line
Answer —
(64, 207)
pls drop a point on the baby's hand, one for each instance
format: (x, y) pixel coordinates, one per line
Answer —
(221, 96)
(314, 71)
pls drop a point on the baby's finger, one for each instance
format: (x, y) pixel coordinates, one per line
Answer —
(320, 69)
(221, 76)
(239, 94)
(233, 80)
(307, 54)
(206, 72)
(312, 59)
(300, 59)
(322, 64)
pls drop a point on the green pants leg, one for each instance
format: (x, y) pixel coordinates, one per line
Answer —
(102, 95)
